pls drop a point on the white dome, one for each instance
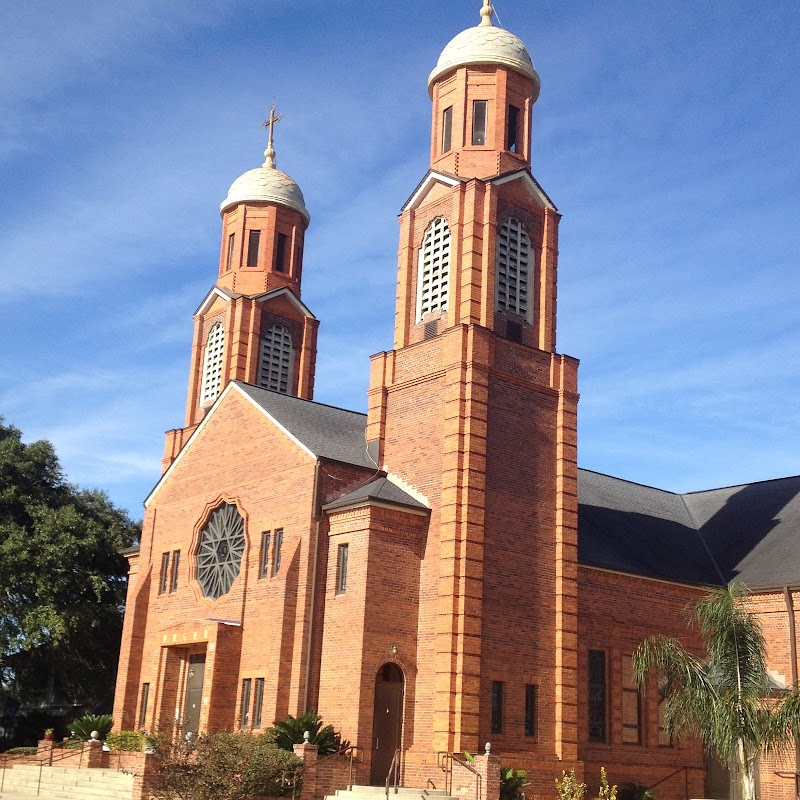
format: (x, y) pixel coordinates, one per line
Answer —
(266, 184)
(485, 44)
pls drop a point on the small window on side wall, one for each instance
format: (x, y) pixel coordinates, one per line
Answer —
(143, 705)
(497, 706)
(280, 253)
(341, 568)
(163, 582)
(173, 577)
(263, 570)
(245, 707)
(258, 702)
(231, 246)
(254, 238)
(276, 551)
(597, 696)
(479, 108)
(512, 135)
(447, 129)
(530, 709)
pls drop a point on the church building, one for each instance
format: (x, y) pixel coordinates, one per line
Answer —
(437, 573)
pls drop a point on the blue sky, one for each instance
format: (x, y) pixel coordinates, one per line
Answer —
(668, 135)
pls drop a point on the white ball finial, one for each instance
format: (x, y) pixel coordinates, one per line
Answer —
(306, 737)
(488, 748)
(486, 13)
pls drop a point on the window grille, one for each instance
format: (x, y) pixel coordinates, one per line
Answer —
(276, 551)
(245, 711)
(513, 268)
(263, 571)
(212, 365)
(277, 360)
(219, 554)
(434, 269)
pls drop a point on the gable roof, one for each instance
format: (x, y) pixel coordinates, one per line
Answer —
(749, 532)
(325, 431)
(381, 490)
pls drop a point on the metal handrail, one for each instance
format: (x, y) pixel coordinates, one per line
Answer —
(394, 768)
(446, 761)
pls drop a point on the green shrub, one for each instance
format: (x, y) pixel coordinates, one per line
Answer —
(82, 728)
(126, 741)
(225, 766)
(22, 751)
(512, 782)
(606, 792)
(635, 791)
(289, 732)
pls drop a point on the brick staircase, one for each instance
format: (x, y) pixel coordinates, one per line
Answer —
(64, 783)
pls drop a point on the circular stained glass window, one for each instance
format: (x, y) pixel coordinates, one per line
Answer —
(219, 554)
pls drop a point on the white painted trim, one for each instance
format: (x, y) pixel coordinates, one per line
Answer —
(214, 292)
(530, 184)
(299, 305)
(427, 184)
(407, 488)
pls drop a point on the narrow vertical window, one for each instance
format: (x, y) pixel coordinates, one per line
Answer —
(497, 706)
(277, 360)
(514, 262)
(664, 738)
(254, 237)
(258, 702)
(263, 571)
(164, 579)
(447, 129)
(245, 707)
(433, 271)
(597, 696)
(145, 697)
(631, 704)
(280, 253)
(231, 244)
(173, 575)
(479, 108)
(341, 569)
(530, 709)
(276, 551)
(512, 134)
(212, 365)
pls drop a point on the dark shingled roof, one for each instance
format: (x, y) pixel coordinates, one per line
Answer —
(327, 431)
(750, 532)
(381, 489)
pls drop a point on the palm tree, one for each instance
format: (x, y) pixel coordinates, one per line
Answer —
(726, 699)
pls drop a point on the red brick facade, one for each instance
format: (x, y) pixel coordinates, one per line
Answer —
(472, 588)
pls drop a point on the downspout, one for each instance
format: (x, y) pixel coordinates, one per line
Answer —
(787, 596)
(317, 518)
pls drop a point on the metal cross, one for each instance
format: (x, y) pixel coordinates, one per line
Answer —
(270, 123)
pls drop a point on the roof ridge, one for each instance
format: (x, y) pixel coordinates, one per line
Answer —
(699, 532)
(300, 399)
(740, 485)
(626, 480)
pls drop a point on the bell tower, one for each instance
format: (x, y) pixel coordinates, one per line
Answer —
(476, 410)
(252, 325)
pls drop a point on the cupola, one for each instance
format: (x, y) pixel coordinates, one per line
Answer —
(483, 88)
(264, 218)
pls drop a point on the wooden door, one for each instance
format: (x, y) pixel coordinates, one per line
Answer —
(387, 725)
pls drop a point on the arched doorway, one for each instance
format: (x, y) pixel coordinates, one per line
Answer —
(387, 721)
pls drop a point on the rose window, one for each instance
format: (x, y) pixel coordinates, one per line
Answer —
(219, 553)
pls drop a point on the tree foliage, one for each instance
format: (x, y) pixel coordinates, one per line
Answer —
(62, 578)
(725, 699)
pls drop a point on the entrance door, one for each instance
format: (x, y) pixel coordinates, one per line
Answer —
(387, 723)
(194, 693)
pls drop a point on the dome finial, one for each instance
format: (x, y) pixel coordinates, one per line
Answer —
(486, 13)
(269, 153)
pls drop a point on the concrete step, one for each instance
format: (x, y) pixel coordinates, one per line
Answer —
(65, 783)
(403, 793)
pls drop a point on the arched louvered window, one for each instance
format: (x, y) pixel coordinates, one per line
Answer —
(434, 269)
(212, 364)
(514, 268)
(277, 359)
